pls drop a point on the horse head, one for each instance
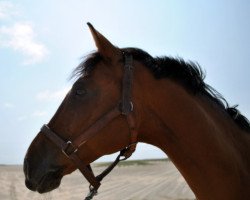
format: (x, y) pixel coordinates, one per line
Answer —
(96, 92)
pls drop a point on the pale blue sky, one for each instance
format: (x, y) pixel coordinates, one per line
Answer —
(42, 41)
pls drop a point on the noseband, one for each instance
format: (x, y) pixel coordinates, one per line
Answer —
(124, 108)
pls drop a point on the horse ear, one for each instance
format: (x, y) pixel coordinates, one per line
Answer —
(105, 47)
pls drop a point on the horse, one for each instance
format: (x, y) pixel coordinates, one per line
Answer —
(123, 96)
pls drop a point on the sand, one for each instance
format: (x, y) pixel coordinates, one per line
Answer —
(157, 180)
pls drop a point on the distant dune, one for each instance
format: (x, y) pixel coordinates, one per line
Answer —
(132, 180)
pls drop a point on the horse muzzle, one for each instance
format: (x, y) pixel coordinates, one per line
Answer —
(40, 180)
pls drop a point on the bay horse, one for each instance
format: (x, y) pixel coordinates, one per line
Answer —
(125, 96)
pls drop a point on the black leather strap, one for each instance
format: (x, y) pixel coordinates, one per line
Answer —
(127, 105)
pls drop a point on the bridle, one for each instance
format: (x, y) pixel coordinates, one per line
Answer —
(124, 108)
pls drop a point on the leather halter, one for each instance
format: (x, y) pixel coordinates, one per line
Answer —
(125, 108)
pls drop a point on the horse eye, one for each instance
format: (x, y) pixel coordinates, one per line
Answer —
(80, 92)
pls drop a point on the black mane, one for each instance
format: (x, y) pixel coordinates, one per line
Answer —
(188, 74)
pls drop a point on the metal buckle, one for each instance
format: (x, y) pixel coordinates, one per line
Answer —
(131, 106)
(73, 149)
(124, 112)
(132, 144)
(92, 193)
(128, 151)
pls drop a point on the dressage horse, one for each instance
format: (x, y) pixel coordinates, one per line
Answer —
(125, 96)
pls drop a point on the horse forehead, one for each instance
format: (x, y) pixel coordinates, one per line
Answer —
(106, 71)
(96, 78)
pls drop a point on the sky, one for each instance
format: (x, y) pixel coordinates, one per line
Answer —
(41, 42)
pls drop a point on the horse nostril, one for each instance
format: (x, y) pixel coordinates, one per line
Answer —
(26, 168)
(29, 185)
(28, 182)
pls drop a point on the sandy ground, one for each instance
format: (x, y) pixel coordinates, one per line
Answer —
(158, 180)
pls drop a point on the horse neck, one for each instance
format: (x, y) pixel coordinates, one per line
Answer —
(197, 135)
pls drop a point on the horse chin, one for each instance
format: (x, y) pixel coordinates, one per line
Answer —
(49, 182)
